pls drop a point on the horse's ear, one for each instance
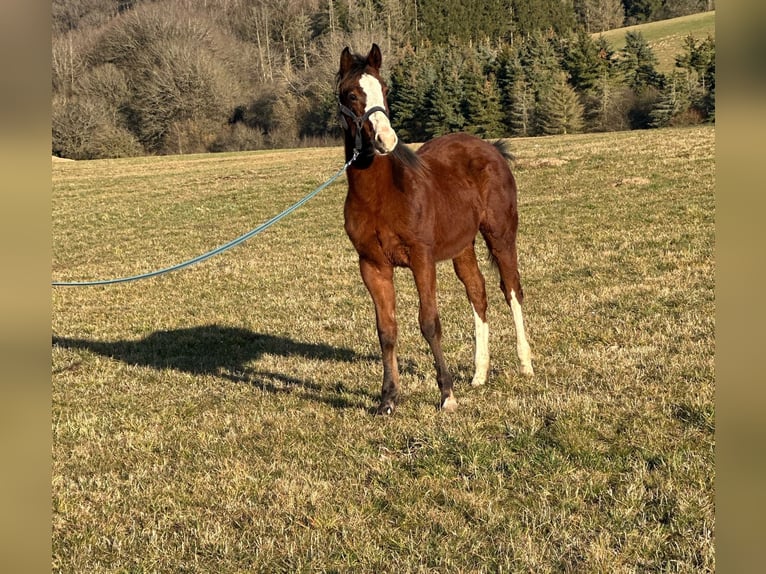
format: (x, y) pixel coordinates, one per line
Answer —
(346, 61)
(375, 58)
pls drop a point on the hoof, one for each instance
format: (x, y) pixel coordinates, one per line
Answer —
(449, 405)
(478, 381)
(386, 409)
(527, 370)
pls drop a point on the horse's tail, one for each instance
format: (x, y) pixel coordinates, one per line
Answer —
(503, 147)
(505, 242)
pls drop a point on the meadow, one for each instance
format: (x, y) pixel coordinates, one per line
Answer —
(666, 37)
(221, 418)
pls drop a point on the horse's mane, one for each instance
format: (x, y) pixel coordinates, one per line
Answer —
(408, 158)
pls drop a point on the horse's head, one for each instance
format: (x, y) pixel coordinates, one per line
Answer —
(362, 102)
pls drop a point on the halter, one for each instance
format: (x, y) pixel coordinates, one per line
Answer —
(359, 121)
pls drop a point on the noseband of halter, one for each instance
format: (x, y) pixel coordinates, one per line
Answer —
(358, 120)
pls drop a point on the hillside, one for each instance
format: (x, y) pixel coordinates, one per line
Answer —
(665, 37)
(174, 77)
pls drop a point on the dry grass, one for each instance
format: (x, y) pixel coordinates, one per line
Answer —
(219, 419)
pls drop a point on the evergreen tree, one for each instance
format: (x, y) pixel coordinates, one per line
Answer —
(560, 110)
(540, 62)
(673, 102)
(606, 58)
(522, 108)
(705, 63)
(541, 66)
(598, 105)
(507, 67)
(638, 62)
(471, 78)
(708, 77)
(443, 102)
(605, 100)
(409, 85)
(697, 63)
(481, 98)
(580, 58)
(487, 120)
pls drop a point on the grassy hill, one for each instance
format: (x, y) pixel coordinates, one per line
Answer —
(220, 419)
(666, 37)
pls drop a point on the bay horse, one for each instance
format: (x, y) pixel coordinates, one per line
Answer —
(412, 209)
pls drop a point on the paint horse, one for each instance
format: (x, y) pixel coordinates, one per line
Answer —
(407, 209)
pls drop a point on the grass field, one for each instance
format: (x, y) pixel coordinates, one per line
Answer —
(219, 419)
(666, 37)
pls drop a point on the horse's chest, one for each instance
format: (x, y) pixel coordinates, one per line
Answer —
(392, 246)
(375, 237)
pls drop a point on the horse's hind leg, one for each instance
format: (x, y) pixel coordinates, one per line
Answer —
(504, 254)
(467, 270)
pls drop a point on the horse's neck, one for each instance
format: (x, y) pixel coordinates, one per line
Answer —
(372, 180)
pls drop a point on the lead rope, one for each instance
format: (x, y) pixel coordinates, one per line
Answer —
(217, 250)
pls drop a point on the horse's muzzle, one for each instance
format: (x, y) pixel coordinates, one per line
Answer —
(385, 138)
(385, 141)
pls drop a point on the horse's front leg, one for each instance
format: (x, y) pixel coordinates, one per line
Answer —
(379, 281)
(424, 272)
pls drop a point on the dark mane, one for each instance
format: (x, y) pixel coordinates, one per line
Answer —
(409, 159)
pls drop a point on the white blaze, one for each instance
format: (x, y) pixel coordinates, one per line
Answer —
(384, 133)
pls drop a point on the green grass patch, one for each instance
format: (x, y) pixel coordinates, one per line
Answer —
(666, 37)
(220, 418)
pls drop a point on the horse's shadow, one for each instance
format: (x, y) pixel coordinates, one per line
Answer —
(229, 352)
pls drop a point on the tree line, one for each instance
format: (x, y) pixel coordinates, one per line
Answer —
(135, 77)
(548, 84)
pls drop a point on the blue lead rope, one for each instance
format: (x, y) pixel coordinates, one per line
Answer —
(217, 250)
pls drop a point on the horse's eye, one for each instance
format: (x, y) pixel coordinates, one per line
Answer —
(352, 97)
